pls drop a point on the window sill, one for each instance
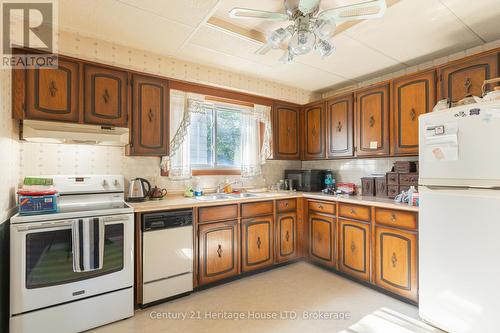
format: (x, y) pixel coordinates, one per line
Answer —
(216, 172)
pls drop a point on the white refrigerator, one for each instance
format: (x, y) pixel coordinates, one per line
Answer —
(459, 218)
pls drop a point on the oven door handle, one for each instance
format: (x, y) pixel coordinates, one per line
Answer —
(45, 225)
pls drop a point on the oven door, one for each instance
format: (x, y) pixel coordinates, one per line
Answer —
(42, 263)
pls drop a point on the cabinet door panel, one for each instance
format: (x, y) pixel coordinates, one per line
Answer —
(355, 249)
(218, 247)
(52, 94)
(396, 261)
(286, 229)
(314, 131)
(412, 97)
(257, 238)
(150, 134)
(286, 129)
(322, 238)
(372, 121)
(465, 78)
(339, 116)
(106, 101)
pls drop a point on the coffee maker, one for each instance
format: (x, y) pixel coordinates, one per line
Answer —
(329, 182)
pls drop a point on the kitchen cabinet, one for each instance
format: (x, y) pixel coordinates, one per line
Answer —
(286, 236)
(105, 96)
(465, 77)
(412, 96)
(314, 132)
(52, 94)
(218, 246)
(396, 261)
(150, 112)
(354, 253)
(257, 242)
(322, 238)
(339, 127)
(286, 132)
(372, 121)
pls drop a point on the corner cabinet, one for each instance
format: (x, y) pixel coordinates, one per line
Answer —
(286, 132)
(52, 94)
(105, 96)
(339, 128)
(372, 121)
(257, 243)
(465, 77)
(412, 96)
(314, 132)
(150, 116)
(218, 245)
(355, 248)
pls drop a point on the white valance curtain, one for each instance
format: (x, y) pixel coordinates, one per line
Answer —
(256, 135)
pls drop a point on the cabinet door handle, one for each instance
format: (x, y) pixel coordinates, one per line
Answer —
(467, 85)
(372, 121)
(52, 88)
(413, 114)
(286, 204)
(353, 246)
(393, 217)
(258, 242)
(105, 96)
(394, 260)
(339, 127)
(150, 115)
(219, 250)
(287, 236)
(313, 131)
(319, 237)
(288, 131)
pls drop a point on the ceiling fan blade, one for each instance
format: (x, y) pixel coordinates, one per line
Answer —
(359, 11)
(263, 49)
(245, 13)
(308, 6)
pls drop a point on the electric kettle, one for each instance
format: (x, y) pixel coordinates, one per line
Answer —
(139, 189)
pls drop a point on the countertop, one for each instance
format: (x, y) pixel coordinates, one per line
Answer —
(178, 201)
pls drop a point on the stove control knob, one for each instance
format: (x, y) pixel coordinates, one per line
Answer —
(117, 183)
(104, 183)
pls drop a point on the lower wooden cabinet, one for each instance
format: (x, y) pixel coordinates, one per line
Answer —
(286, 236)
(396, 261)
(257, 242)
(322, 238)
(218, 248)
(355, 248)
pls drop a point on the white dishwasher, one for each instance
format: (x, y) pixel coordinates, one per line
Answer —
(167, 255)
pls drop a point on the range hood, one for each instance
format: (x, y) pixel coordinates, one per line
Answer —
(56, 132)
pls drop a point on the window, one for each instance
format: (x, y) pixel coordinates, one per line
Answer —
(216, 138)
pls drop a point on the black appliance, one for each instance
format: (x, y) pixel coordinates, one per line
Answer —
(307, 180)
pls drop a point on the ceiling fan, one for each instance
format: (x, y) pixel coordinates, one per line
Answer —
(308, 29)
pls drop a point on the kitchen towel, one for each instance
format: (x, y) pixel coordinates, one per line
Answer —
(88, 244)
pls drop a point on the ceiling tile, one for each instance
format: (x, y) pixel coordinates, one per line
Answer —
(481, 16)
(150, 32)
(412, 30)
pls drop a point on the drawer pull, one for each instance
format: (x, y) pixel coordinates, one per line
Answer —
(320, 206)
(393, 217)
(353, 211)
(353, 246)
(258, 242)
(286, 204)
(394, 259)
(287, 236)
(219, 251)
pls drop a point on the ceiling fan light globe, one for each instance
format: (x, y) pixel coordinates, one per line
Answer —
(276, 37)
(325, 48)
(302, 42)
(324, 28)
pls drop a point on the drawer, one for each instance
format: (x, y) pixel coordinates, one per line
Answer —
(327, 208)
(408, 179)
(355, 212)
(217, 213)
(256, 209)
(286, 205)
(392, 191)
(392, 178)
(396, 218)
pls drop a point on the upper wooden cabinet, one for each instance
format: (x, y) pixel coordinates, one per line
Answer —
(314, 132)
(150, 112)
(218, 251)
(286, 132)
(372, 121)
(339, 128)
(106, 96)
(412, 96)
(257, 243)
(52, 94)
(355, 248)
(464, 78)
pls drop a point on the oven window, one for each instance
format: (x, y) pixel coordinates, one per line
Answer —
(49, 258)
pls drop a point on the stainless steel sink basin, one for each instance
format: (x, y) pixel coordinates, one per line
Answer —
(244, 195)
(212, 197)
